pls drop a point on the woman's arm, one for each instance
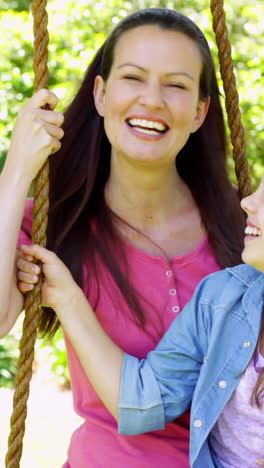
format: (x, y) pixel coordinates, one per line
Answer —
(153, 390)
(100, 357)
(36, 135)
(13, 192)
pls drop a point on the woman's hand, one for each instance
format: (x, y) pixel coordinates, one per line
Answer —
(59, 288)
(36, 134)
(100, 357)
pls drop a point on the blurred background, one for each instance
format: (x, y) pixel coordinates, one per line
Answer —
(77, 29)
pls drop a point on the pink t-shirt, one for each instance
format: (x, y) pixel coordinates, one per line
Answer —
(166, 287)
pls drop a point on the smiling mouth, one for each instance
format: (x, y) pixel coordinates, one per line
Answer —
(147, 127)
(252, 231)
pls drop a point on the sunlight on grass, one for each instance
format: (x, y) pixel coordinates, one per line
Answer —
(50, 423)
(50, 420)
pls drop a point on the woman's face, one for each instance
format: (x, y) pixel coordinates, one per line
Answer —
(150, 101)
(253, 205)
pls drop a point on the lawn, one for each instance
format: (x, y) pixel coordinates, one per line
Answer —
(50, 423)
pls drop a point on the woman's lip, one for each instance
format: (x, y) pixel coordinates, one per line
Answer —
(248, 237)
(248, 223)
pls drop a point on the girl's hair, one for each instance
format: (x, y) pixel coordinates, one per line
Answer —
(79, 171)
(258, 391)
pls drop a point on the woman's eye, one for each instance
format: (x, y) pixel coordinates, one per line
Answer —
(132, 77)
(177, 85)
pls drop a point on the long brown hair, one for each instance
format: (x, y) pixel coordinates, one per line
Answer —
(258, 391)
(79, 171)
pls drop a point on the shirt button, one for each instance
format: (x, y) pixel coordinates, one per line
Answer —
(246, 344)
(222, 384)
(197, 423)
(175, 309)
(169, 273)
(172, 292)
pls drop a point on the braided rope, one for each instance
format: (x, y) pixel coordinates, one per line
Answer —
(232, 100)
(40, 220)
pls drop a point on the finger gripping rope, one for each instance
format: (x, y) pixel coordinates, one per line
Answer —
(40, 220)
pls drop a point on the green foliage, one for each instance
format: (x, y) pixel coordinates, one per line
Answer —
(16, 74)
(55, 352)
(50, 357)
(8, 361)
(17, 5)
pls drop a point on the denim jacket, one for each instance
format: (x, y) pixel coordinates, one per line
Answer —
(198, 362)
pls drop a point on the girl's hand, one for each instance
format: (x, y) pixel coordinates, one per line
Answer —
(59, 288)
(36, 134)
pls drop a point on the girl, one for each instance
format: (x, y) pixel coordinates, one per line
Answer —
(140, 209)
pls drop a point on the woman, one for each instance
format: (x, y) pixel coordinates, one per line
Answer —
(137, 230)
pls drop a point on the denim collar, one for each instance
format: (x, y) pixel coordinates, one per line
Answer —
(245, 273)
(253, 299)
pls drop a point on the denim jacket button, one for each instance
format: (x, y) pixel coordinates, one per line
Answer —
(246, 344)
(222, 384)
(197, 423)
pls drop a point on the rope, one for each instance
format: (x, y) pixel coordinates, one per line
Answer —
(232, 100)
(40, 220)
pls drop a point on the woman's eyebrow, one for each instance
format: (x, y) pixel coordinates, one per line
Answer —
(180, 73)
(131, 64)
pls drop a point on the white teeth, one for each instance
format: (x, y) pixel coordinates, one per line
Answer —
(147, 124)
(252, 231)
(147, 132)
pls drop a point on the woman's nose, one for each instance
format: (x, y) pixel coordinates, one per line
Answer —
(151, 96)
(248, 203)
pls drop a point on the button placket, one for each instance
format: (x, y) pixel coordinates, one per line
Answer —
(172, 291)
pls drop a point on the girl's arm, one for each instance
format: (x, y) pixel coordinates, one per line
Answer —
(36, 135)
(152, 390)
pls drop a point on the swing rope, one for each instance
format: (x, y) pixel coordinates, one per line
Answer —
(232, 100)
(41, 203)
(40, 220)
